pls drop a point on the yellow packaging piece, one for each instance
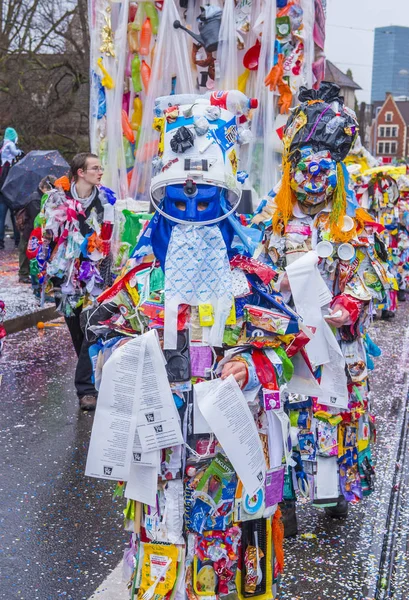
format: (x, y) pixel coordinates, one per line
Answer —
(154, 558)
(268, 595)
(231, 319)
(362, 445)
(204, 578)
(133, 292)
(206, 315)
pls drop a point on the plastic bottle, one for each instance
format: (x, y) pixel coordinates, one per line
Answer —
(129, 157)
(140, 13)
(242, 81)
(132, 37)
(152, 14)
(106, 79)
(136, 74)
(136, 119)
(126, 127)
(337, 122)
(145, 39)
(145, 74)
(233, 101)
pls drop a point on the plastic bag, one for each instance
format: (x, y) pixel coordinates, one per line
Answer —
(228, 73)
(106, 131)
(169, 74)
(263, 162)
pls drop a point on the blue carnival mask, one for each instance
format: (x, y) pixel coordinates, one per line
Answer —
(314, 178)
(193, 202)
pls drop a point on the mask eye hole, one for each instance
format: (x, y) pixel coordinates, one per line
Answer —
(202, 205)
(180, 205)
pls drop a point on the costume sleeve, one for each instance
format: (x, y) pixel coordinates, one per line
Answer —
(351, 304)
(251, 381)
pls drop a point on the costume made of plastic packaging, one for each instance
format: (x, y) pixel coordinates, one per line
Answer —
(377, 192)
(402, 260)
(193, 280)
(72, 247)
(324, 247)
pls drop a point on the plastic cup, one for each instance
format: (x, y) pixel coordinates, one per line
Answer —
(346, 252)
(348, 224)
(324, 249)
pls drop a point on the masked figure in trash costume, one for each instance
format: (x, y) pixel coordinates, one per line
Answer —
(192, 278)
(315, 232)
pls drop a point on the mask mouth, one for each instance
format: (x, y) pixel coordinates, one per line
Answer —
(314, 189)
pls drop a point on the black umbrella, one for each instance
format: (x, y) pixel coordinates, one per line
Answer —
(24, 177)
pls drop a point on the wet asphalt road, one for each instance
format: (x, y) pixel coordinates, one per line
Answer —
(60, 533)
(366, 556)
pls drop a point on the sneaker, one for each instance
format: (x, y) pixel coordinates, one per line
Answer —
(339, 510)
(289, 518)
(88, 402)
(387, 314)
(24, 279)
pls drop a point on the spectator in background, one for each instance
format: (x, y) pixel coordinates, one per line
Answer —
(25, 224)
(9, 153)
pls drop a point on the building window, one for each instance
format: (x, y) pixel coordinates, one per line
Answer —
(381, 131)
(394, 132)
(387, 132)
(393, 147)
(388, 117)
(380, 147)
(387, 148)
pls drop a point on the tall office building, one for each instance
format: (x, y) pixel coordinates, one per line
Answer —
(390, 69)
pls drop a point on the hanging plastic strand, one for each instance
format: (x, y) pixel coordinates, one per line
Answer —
(121, 44)
(227, 74)
(262, 164)
(308, 38)
(115, 174)
(97, 92)
(169, 62)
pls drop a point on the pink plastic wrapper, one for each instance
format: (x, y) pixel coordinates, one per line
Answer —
(252, 266)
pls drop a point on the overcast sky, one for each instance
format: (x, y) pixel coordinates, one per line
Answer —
(349, 41)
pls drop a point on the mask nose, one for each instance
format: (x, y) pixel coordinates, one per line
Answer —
(191, 210)
(314, 169)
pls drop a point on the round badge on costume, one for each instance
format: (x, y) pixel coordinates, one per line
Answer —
(253, 504)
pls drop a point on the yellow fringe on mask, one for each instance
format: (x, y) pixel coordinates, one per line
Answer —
(362, 217)
(339, 236)
(284, 200)
(339, 204)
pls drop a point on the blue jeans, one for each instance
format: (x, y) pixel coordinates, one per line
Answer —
(3, 214)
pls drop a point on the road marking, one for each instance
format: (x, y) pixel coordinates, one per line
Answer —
(113, 587)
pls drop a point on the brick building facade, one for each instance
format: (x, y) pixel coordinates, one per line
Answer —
(389, 131)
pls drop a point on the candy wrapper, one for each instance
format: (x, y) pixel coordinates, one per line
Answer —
(250, 568)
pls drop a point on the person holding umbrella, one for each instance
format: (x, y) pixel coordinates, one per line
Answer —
(9, 153)
(23, 179)
(25, 223)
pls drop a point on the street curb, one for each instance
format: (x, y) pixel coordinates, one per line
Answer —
(30, 320)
